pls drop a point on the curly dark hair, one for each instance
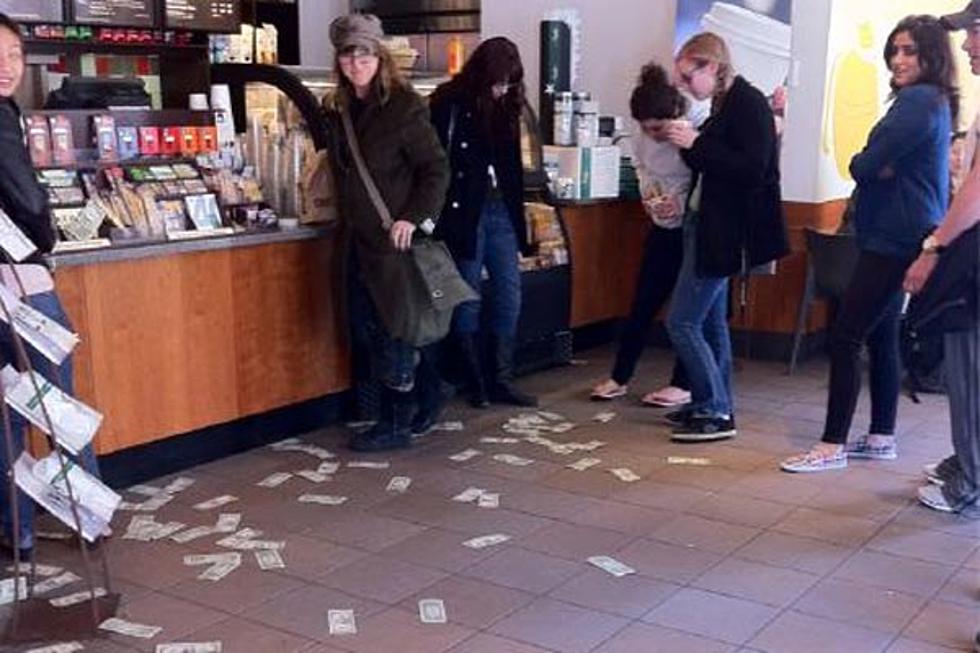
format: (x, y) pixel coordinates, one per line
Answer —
(495, 61)
(655, 97)
(935, 52)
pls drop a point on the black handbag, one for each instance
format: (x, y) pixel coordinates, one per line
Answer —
(436, 287)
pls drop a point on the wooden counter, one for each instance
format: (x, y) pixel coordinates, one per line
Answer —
(175, 343)
(606, 247)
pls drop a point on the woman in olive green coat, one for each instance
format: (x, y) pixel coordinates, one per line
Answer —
(409, 167)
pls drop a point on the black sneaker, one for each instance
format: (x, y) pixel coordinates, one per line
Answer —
(704, 429)
(678, 417)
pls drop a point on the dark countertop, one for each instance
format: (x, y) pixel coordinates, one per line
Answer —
(122, 252)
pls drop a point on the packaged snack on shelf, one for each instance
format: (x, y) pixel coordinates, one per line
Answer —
(105, 138)
(149, 141)
(39, 140)
(170, 141)
(129, 146)
(62, 140)
(208, 139)
(189, 143)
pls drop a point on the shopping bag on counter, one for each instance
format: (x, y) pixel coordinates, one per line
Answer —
(318, 191)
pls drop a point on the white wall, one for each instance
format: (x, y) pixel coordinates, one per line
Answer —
(802, 139)
(618, 37)
(314, 20)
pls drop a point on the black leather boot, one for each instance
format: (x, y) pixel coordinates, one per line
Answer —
(469, 352)
(393, 430)
(431, 395)
(502, 390)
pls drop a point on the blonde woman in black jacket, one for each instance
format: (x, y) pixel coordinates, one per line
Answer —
(735, 221)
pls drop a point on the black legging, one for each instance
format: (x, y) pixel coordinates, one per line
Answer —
(662, 254)
(868, 312)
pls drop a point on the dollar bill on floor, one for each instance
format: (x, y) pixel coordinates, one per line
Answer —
(228, 522)
(65, 647)
(216, 502)
(511, 459)
(489, 500)
(368, 464)
(312, 476)
(323, 499)
(612, 566)
(485, 541)
(398, 484)
(129, 628)
(341, 622)
(192, 534)
(583, 464)
(328, 467)
(269, 559)
(684, 460)
(7, 586)
(624, 474)
(432, 611)
(39, 569)
(465, 455)
(56, 582)
(469, 495)
(178, 485)
(245, 540)
(275, 480)
(447, 427)
(77, 597)
(219, 570)
(190, 647)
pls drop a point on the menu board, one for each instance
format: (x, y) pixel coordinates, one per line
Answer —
(115, 13)
(203, 15)
(34, 11)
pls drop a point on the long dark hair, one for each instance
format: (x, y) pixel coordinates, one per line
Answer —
(655, 97)
(9, 23)
(495, 61)
(936, 59)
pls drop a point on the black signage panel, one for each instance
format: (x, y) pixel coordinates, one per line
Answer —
(34, 11)
(203, 15)
(115, 13)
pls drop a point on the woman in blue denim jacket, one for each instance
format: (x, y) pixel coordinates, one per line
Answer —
(902, 180)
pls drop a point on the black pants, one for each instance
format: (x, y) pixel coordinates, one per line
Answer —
(662, 255)
(869, 312)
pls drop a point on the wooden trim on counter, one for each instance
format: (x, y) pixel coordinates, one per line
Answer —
(177, 343)
(606, 245)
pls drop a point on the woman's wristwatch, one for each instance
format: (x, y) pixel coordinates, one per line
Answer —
(931, 245)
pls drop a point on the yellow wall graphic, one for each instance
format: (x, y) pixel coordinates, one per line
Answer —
(853, 101)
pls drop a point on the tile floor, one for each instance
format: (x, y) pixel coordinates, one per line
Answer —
(732, 556)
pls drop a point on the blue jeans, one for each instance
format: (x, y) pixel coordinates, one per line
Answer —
(496, 250)
(698, 328)
(391, 362)
(48, 304)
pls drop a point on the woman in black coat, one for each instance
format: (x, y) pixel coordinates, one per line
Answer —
(477, 115)
(734, 222)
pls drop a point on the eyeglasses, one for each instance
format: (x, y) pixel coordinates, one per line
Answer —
(688, 77)
(358, 55)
